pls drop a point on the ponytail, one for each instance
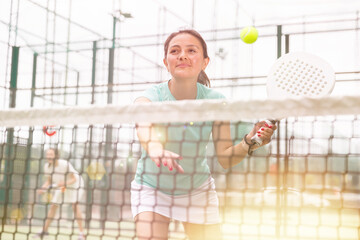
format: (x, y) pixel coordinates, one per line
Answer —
(203, 79)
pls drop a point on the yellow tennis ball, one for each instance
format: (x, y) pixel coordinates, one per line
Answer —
(249, 34)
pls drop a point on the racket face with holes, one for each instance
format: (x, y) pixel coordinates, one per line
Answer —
(300, 74)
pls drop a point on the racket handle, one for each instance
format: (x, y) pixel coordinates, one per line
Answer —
(257, 140)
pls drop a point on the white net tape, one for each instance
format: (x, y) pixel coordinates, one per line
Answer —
(182, 111)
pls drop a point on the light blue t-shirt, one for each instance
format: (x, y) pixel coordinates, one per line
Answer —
(189, 140)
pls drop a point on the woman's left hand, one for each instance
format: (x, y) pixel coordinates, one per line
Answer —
(263, 130)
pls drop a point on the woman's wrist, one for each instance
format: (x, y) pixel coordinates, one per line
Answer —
(249, 145)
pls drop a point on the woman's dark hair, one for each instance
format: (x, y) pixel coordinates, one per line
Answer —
(202, 78)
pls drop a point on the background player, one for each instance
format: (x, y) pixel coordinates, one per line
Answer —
(68, 188)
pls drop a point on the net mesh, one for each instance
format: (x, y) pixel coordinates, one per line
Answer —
(303, 185)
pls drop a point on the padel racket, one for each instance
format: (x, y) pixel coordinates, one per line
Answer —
(298, 74)
(55, 186)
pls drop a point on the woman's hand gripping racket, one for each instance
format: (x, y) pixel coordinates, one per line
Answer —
(298, 74)
(51, 186)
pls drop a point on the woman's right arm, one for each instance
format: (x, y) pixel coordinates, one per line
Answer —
(149, 141)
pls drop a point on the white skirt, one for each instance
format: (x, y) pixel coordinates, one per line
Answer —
(70, 195)
(201, 206)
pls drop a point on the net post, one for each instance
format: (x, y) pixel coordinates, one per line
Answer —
(93, 72)
(114, 32)
(108, 137)
(27, 177)
(33, 84)
(88, 186)
(9, 149)
(278, 183)
(30, 139)
(14, 74)
(279, 42)
(286, 145)
(110, 75)
(287, 43)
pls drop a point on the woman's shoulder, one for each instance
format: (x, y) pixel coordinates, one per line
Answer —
(209, 93)
(158, 85)
(155, 92)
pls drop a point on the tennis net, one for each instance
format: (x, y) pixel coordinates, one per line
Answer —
(303, 185)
